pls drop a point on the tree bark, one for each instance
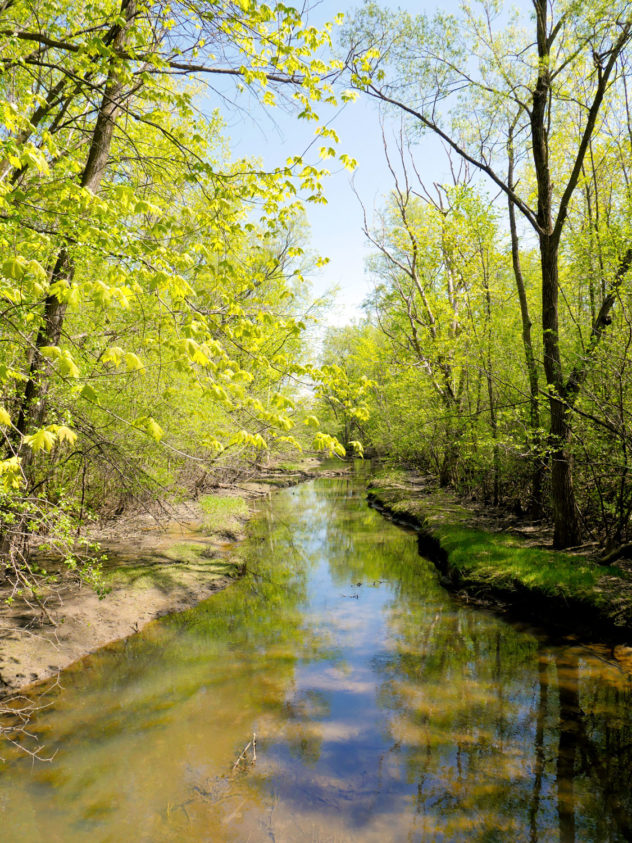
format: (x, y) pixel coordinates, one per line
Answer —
(32, 409)
(493, 419)
(538, 467)
(566, 523)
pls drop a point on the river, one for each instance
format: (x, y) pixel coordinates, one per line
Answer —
(382, 708)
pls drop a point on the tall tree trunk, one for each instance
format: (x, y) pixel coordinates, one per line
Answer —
(493, 419)
(566, 524)
(33, 407)
(538, 466)
(32, 410)
(448, 462)
(565, 521)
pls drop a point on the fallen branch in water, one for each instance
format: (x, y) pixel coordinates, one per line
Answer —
(251, 743)
(16, 711)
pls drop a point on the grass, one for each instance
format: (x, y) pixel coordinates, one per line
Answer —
(223, 514)
(501, 561)
(289, 466)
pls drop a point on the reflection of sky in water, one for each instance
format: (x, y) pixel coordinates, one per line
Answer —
(383, 710)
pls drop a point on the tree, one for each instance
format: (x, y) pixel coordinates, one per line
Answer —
(136, 253)
(568, 73)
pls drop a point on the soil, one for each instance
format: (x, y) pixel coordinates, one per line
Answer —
(160, 561)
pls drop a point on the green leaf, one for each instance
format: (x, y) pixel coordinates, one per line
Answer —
(357, 447)
(65, 434)
(52, 352)
(89, 393)
(132, 362)
(37, 271)
(33, 156)
(10, 475)
(150, 427)
(65, 362)
(114, 354)
(14, 267)
(154, 430)
(67, 365)
(42, 440)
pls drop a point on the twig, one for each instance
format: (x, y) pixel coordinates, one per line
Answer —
(251, 743)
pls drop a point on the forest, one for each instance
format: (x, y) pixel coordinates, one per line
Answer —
(157, 324)
(274, 567)
(155, 313)
(497, 333)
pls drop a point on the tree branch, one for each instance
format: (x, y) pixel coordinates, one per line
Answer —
(528, 213)
(602, 320)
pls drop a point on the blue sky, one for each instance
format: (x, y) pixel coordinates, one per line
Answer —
(336, 228)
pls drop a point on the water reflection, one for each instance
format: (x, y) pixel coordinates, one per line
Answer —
(383, 710)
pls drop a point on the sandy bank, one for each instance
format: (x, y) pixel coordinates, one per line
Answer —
(156, 565)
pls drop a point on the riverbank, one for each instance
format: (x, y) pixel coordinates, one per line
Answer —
(381, 708)
(157, 563)
(509, 566)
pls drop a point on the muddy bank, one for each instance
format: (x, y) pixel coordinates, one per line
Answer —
(507, 565)
(157, 563)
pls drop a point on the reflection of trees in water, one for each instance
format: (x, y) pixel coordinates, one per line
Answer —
(594, 750)
(299, 727)
(570, 714)
(455, 687)
(361, 545)
(504, 736)
(539, 758)
(497, 737)
(499, 734)
(241, 646)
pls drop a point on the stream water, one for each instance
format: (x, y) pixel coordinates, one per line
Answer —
(384, 710)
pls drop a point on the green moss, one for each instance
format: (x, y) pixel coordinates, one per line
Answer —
(502, 560)
(496, 560)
